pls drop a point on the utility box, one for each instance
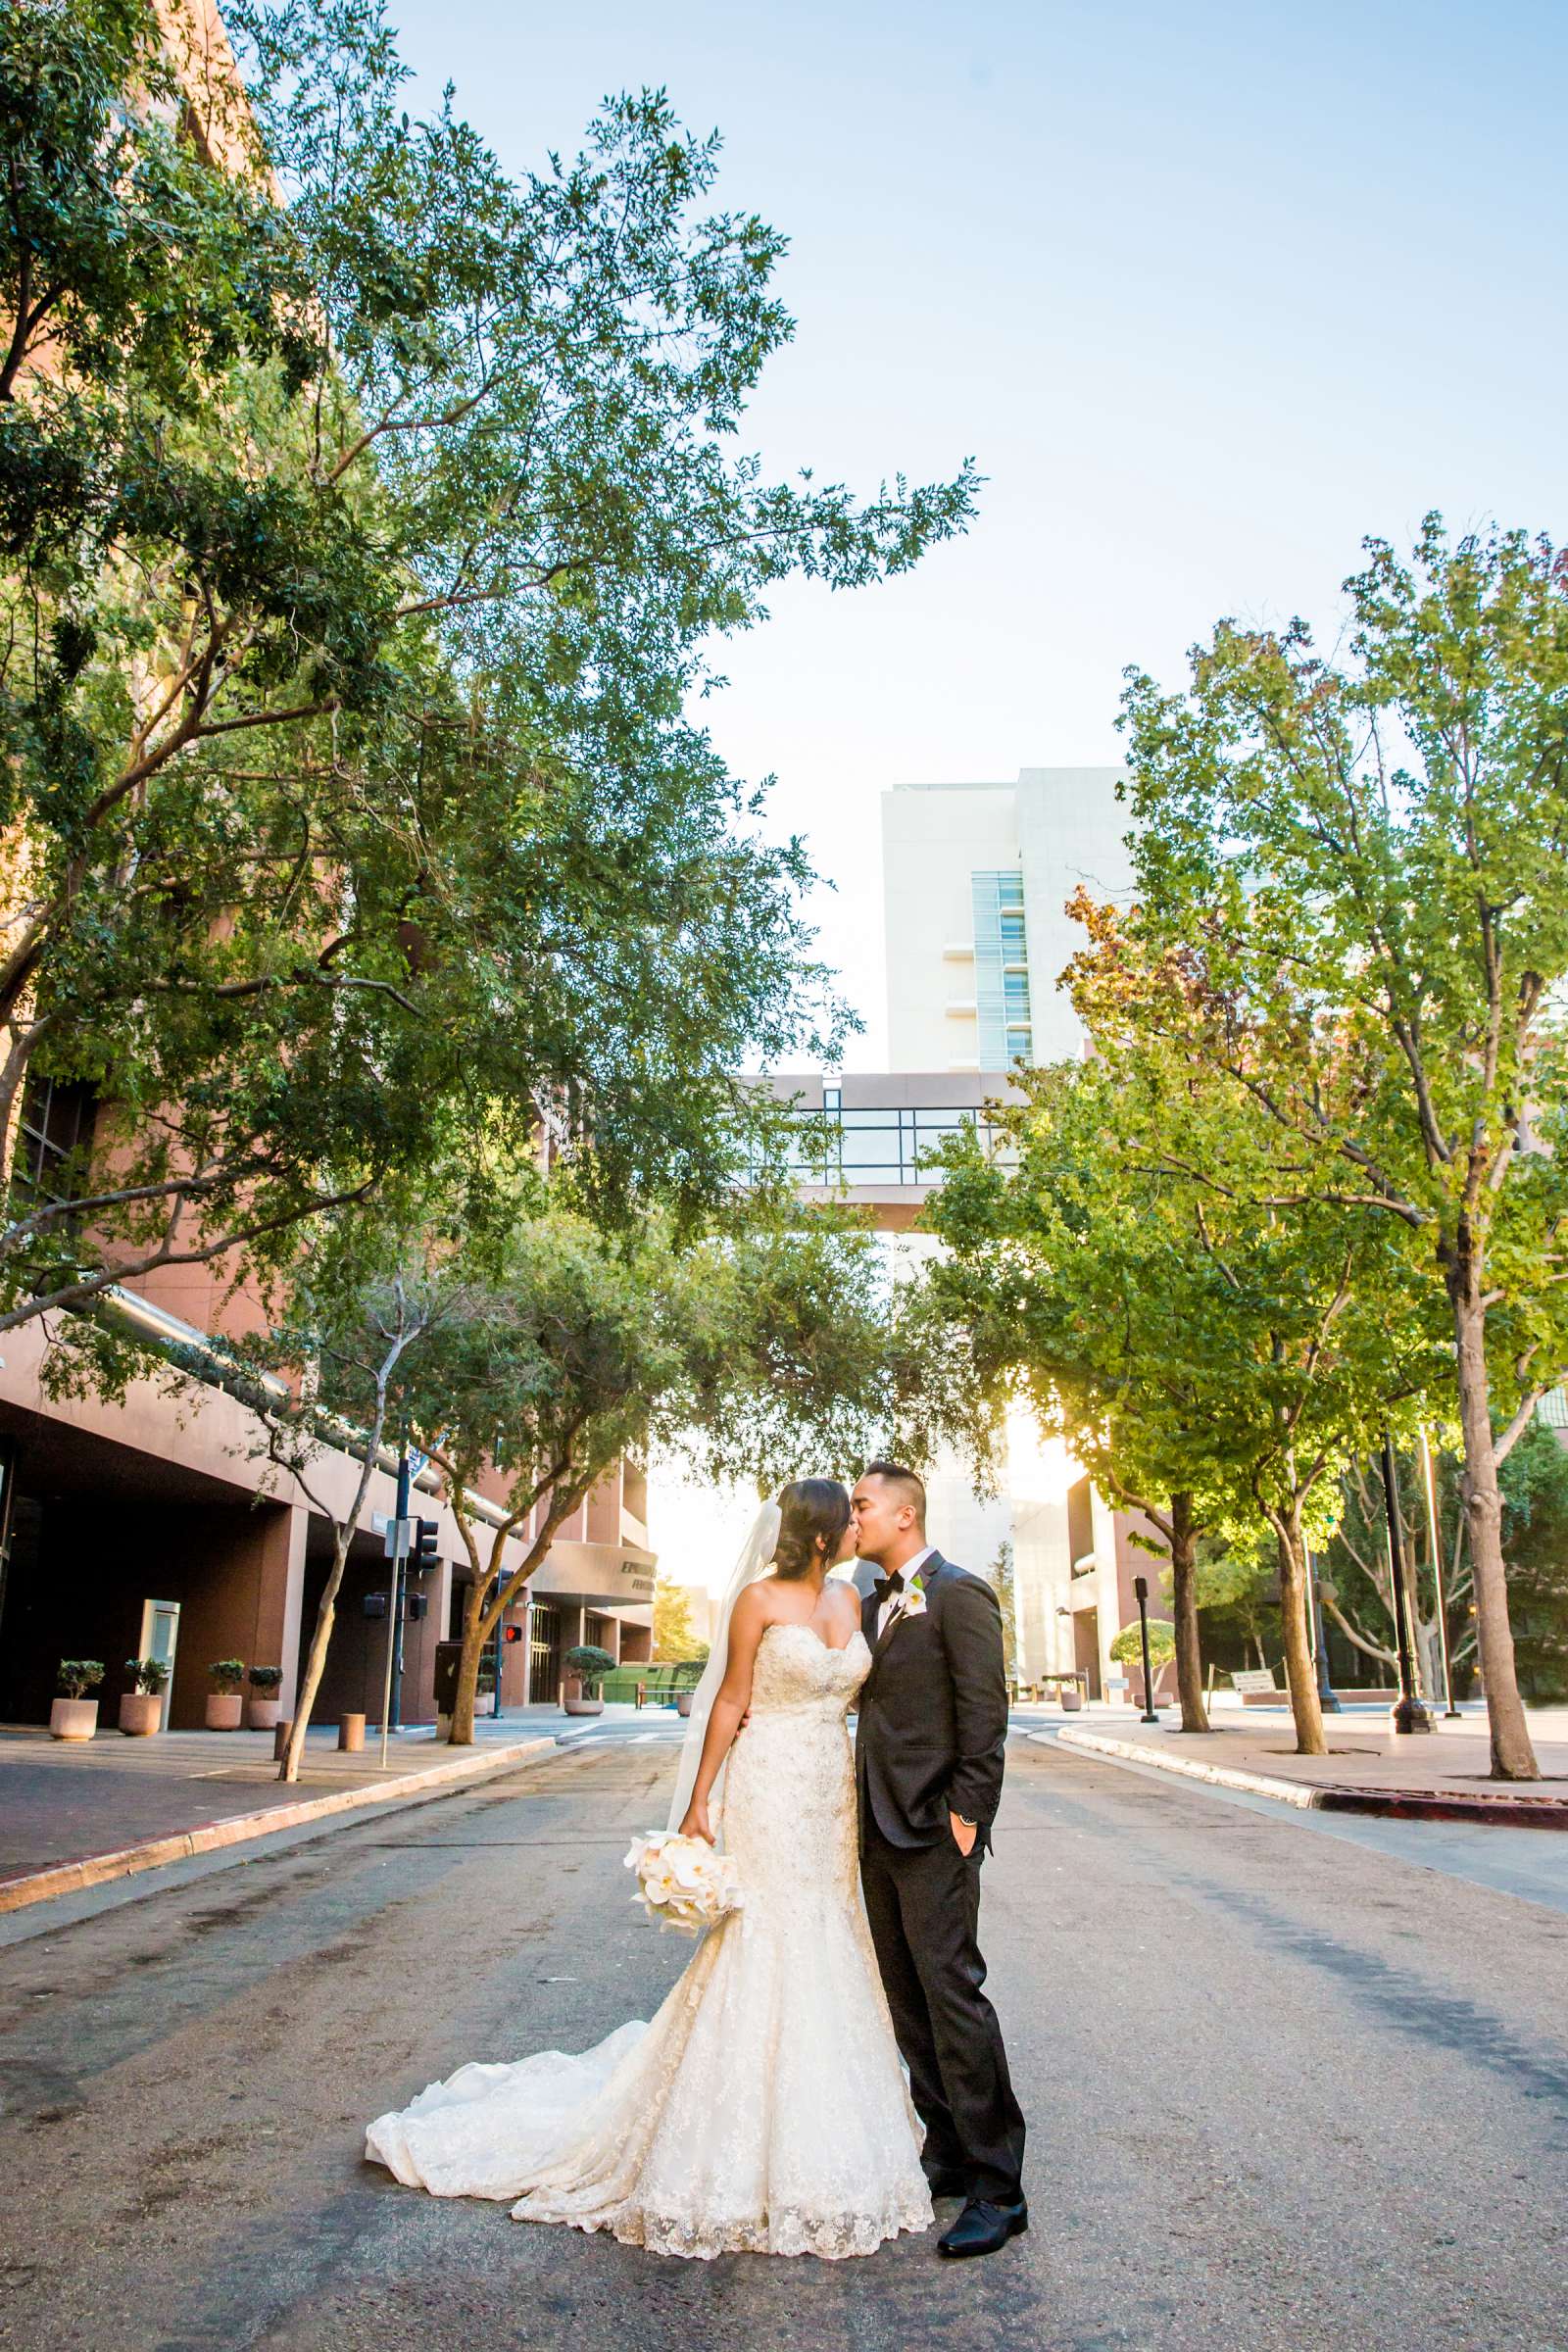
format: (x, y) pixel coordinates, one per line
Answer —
(447, 1654)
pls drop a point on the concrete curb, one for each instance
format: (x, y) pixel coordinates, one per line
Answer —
(1191, 1768)
(408, 1788)
(1506, 1810)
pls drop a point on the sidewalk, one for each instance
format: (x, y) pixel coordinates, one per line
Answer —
(73, 1814)
(1438, 1776)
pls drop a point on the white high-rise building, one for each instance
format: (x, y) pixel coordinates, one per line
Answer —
(977, 878)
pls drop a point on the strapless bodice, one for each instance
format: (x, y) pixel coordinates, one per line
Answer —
(795, 1669)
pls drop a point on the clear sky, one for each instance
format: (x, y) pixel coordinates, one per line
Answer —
(1209, 292)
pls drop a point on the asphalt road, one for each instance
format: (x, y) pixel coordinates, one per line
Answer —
(1286, 2089)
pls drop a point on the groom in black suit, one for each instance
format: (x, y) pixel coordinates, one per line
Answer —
(933, 1726)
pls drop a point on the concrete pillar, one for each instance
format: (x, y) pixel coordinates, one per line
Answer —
(439, 1588)
(239, 1577)
(281, 1601)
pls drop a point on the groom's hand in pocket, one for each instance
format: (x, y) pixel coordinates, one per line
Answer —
(965, 1831)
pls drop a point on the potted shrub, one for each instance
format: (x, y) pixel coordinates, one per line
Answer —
(75, 1716)
(688, 1674)
(1128, 1651)
(263, 1706)
(141, 1708)
(224, 1702)
(586, 1666)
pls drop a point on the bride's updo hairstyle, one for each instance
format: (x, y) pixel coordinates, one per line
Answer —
(810, 1508)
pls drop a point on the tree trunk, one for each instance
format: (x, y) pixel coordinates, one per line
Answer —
(490, 1596)
(316, 1663)
(463, 1704)
(1184, 1605)
(1513, 1758)
(1300, 1671)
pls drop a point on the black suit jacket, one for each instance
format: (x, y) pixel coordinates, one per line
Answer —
(933, 1712)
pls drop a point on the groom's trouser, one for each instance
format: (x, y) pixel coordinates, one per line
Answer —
(923, 1904)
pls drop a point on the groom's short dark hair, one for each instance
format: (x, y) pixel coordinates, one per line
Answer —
(911, 1486)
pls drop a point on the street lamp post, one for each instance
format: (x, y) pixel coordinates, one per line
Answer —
(1448, 1707)
(1141, 1593)
(1409, 1715)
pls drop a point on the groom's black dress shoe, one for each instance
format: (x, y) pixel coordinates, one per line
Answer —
(983, 2228)
(947, 2180)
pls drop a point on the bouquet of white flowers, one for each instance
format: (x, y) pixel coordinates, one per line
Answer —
(681, 1882)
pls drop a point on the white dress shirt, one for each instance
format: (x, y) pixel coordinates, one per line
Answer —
(910, 1569)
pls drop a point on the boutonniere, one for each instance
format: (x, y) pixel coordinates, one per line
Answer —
(915, 1601)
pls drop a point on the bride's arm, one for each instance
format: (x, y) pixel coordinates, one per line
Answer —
(733, 1697)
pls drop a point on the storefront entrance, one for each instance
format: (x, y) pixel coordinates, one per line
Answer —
(544, 1654)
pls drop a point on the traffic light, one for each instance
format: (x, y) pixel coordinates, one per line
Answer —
(423, 1554)
(513, 1633)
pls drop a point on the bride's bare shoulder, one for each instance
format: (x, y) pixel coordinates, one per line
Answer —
(841, 1597)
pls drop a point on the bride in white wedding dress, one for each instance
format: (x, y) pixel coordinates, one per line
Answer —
(764, 2109)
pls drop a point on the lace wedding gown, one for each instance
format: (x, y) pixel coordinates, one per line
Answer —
(765, 2110)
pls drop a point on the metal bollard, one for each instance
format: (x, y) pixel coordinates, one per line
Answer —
(281, 1732)
(351, 1734)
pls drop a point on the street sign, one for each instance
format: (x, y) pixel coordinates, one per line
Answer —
(397, 1538)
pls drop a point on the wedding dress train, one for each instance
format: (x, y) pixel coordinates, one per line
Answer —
(764, 2109)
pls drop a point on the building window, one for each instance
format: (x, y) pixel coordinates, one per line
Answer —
(1000, 970)
(54, 1137)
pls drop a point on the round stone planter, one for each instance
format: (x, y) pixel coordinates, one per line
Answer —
(73, 1719)
(683, 1702)
(141, 1714)
(1071, 1699)
(263, 1714)
(223, 1710)
(579, 1705)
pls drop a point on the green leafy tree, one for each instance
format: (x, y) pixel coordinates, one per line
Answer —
(1210, 1362)
(1127, 1648)
(334, 1380)
(1350, 876)
(1533, 1485)
(675, 1638)
(738, 1350)
(1535, 1539)
(371, 518)
(1005, 1584)
(1237, 1591)
(1067, 1291)
(1358, 1594)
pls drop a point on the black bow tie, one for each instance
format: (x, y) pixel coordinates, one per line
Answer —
(888, 1584)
